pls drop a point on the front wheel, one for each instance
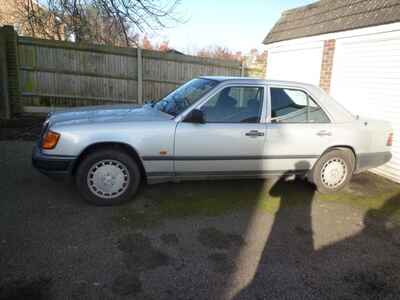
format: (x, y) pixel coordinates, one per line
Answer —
(108, 177)
(333, 170)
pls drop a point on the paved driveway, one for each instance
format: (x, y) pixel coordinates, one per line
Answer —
(203, 240)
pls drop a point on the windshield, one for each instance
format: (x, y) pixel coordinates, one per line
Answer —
(185, 95)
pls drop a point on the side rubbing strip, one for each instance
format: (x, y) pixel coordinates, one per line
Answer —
(157, 158)
(160, 174)
(248, 157)
(226, 173)
(242, 173)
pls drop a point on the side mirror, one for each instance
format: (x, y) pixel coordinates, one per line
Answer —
(195, 116)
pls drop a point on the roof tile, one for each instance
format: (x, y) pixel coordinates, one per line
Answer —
(328, 16)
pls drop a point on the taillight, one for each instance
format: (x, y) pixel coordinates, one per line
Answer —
(389, 141)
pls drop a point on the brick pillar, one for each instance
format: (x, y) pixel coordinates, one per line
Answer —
(11, 46)
(327, 63)
(5, 111)
(266, 64)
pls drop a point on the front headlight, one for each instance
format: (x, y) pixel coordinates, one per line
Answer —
(50, 140)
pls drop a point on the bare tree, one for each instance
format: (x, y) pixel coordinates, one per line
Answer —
(219, 53)
(115, 22)
(146, 43)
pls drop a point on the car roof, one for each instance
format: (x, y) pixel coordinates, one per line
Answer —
(253, 80)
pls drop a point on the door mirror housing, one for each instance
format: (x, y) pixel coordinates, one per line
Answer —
(195, 116)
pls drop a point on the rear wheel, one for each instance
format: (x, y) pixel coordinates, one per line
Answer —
(333, 170)
(108, 177)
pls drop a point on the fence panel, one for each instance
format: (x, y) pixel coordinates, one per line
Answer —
(65, 74)
(54, 73)
(46, 73)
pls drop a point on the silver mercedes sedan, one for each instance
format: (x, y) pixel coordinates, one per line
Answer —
(211, 128)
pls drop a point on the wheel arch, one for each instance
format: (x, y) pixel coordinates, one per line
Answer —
(115, 145)
(341, 147)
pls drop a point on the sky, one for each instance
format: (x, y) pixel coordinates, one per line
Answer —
(238, 25)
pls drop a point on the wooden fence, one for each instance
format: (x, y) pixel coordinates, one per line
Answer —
(44, 73)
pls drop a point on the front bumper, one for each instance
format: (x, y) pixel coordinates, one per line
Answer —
(52, 165)
(367, 161)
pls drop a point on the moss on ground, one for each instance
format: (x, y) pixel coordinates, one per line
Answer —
(131, 217)
(371, 193)
(154, 204)
(189, 199)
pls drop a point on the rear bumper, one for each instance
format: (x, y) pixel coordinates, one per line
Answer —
(52, 166)
(367, 161)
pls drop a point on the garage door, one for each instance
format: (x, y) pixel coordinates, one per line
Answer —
(296, 63)
(366, 80)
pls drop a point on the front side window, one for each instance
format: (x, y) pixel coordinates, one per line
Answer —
(235, 105)
(295, 106)
(185, 95)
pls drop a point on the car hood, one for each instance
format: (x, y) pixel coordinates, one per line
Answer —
(108, 114)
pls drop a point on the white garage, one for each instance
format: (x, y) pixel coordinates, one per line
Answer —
(366, 78)
(352, 50)
(289, 63)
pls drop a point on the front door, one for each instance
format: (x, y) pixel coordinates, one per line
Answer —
(231, 141)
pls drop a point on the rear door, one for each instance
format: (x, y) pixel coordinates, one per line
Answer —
(298, 130)
(231, 141)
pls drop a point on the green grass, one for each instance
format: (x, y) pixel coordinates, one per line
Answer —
(372, 194)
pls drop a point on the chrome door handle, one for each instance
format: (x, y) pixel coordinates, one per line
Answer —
(324, 133)
(254, 133)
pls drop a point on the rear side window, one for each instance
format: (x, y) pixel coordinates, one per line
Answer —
(295, 106)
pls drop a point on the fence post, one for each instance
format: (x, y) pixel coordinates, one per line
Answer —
(11, 47)
(139, 76)
(4, 98)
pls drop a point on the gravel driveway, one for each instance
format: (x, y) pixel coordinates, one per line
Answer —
(203, 240)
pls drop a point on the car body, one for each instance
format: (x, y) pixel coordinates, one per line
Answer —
(247, 128)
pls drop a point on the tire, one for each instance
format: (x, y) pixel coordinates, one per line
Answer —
(333, 170)
(108, 177)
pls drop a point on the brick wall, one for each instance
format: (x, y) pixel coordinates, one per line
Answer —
(327, 63)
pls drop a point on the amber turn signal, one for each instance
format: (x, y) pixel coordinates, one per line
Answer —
(50, 140)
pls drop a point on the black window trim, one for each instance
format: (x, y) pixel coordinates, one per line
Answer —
(296, 88)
